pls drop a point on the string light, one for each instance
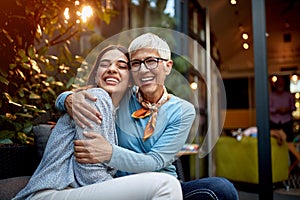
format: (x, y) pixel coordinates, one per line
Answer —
(66, 13)
(245, 36)
(246, 45)
(233, 2)
(194, 85)
(85, 13)
(294, 78)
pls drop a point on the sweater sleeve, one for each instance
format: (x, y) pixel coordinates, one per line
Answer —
(60, 101)
(164, 149)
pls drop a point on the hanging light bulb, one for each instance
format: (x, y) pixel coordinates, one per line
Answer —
(246, 45)
(194, 85)
(86, 13)
(245, 36)
(294, 78)
(233, 2)
(274, 79)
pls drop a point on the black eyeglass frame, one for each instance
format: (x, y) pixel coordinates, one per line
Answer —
(136, 69)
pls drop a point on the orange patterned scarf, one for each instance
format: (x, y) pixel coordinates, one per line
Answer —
(151, 109)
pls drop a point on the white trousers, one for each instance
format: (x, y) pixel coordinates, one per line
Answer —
(150, 185)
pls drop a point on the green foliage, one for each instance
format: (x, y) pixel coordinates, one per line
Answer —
(178, 81)
(145, 14)
(182, 65)
(37, 61)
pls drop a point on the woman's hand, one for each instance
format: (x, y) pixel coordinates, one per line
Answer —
(93, 150)
(80, 110)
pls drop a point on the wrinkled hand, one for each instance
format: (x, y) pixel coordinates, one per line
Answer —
(93, 150)
(80, 109)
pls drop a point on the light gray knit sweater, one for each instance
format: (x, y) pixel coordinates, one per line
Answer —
(58, 168)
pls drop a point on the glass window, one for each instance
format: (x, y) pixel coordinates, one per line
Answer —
(154, 13)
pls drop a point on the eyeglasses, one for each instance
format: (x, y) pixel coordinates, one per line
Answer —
(150, 63)
(122, 65)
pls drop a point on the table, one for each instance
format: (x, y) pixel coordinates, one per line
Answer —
(183, 161)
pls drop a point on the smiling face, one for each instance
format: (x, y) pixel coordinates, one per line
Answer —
(151, 81)
(113, 74)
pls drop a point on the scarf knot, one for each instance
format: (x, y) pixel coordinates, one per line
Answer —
(153, 108)
(149, 109)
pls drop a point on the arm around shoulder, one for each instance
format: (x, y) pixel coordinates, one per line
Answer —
(60, 101)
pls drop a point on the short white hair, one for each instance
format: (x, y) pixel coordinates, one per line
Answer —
(152, 41)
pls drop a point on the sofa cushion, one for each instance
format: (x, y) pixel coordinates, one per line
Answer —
(11, 186)
(41, 135)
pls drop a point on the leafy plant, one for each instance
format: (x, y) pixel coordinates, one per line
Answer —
(37, 59)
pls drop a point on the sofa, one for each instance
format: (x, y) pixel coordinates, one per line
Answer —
(237, 160)
(10, 186)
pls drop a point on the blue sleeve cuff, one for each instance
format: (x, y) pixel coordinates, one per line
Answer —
(60, 101)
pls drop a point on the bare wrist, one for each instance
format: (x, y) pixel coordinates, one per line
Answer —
(68, 104)
(109, 153)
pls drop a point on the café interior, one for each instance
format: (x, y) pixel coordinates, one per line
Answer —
(226, 83)
(231, 54)
(232, 23)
